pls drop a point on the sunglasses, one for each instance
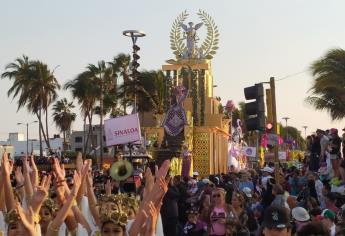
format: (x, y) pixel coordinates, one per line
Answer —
(216, 195)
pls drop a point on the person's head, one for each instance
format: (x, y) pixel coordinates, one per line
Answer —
(244, 176)
(300, 216)
(330, 198)
(320, 133)
(315, 214)
(328, 218)
(218, 196)
(113, 223)
(15, 225)
(291, 201)
(237, 200)
(267, 171)
(276, 222)
(109, 228)
(47, 211)
(192, 215)
(118, 156)
(313, 228)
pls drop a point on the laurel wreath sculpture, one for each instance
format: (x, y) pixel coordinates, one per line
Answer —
(176, 43)
(210, 44)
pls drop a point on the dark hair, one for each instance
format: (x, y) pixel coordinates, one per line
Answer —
(331, 196)
(314, 228)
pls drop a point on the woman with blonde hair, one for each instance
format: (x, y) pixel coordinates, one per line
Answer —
(218, 213)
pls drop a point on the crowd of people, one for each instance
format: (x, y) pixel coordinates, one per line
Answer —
(86, 201)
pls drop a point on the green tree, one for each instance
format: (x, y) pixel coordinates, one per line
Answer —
(328, 89)
(63, 117)
(36, 88)
(84, 90)
(149, 89)
(120, 68)
(294, 134)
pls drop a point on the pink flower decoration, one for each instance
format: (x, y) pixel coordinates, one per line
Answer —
(230, 106)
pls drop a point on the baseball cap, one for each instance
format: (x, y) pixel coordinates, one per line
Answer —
(328, 214)
(247, 191)
(300, 214)
(206, 181)
(195, 173)
(276, 217)
(267, 169)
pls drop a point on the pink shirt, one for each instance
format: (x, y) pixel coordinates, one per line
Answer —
(217, 228)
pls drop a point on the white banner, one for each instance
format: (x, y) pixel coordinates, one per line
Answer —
(249, 151)
(122, 130)
(282, 155)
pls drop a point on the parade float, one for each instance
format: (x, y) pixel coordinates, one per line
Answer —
(193, 131)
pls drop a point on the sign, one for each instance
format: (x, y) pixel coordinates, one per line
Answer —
(122, 130)
(282, 156)
(249, 151)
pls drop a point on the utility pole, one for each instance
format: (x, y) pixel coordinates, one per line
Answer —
(275, 127)
(101, 120)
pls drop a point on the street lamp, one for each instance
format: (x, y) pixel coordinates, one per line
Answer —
(287, 132)
(305, 131)
(134, 35)
(27, 135)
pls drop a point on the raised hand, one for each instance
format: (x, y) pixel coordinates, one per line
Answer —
(59, 170)
(27, 219)
(89, 180)
(34, 173)
(77, 183)
(163, 184)
(79, 161)
(149, 182)
(6, 165)
(40, 193)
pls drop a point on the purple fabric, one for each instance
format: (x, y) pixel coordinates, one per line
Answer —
(186, 164)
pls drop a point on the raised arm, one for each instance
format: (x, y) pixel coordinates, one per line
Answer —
(6, 171)
(28, 185)
(92, 199)
(63, 212)
(154, 196)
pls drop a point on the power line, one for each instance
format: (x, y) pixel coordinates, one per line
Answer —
(291, 75)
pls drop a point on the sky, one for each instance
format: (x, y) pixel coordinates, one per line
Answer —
(258, 39)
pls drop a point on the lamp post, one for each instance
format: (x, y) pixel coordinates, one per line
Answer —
(286, 120)
(27, 135)
(134, 35)
(305, 131)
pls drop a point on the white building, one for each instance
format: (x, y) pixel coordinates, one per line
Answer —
(78, 139)
(18, 141)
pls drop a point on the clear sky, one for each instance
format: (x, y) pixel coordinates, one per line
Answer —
(258, 39)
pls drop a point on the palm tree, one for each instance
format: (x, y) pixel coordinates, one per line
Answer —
(35, 86)
(63, 117)
(120, 66)
(43, 92)
(328, 89)
(149, 89)
(84, 90)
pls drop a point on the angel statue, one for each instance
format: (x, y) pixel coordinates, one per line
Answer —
(192, 38)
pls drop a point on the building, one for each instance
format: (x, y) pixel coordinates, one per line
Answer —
(19, 143)
(78, 139)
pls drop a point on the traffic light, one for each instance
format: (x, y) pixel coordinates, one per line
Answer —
(255, 110)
